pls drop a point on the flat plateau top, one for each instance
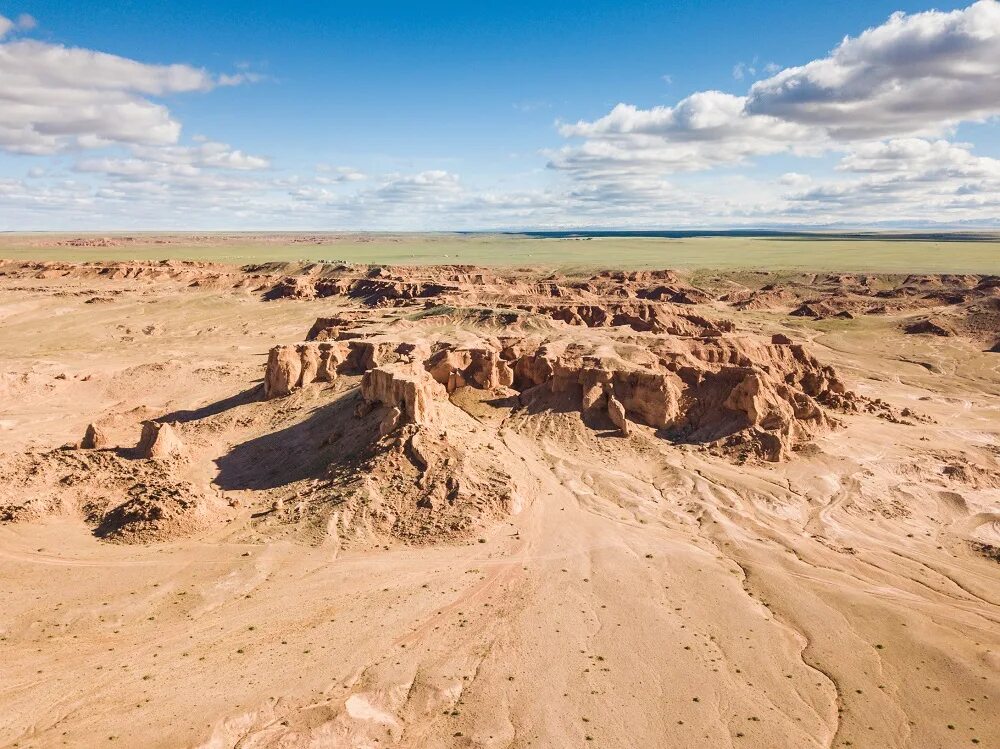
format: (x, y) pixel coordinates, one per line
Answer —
(875, 253)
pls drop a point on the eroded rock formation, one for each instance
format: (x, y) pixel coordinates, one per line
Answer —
(701, 383)
(408, 388)
(158, 441)
(423, 373)
(94, 438)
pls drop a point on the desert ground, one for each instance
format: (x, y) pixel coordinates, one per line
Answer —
(371, 491)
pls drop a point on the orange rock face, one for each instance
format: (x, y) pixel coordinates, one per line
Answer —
(158, 441)
(410, 389)
(706, 385)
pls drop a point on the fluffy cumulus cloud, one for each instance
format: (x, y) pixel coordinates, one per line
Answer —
(915, 75)
(54, 98)
(921, 179)
(706, 129)
(107, 113)
(938, 158)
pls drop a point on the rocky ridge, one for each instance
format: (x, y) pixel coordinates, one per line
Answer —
(415, 376)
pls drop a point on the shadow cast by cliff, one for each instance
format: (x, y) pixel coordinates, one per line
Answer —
(331, 433)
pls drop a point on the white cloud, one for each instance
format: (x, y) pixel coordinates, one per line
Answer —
(795, 179)
(428, 186)
(166, 184)
(238, 79)
(24, 22)
(708, 128)
(743, 70)
(208, 154)
(338, 174)
(915, 74)
(133, 169)
(918, 156)
(919, 179)
(54, 98)
(531, 105)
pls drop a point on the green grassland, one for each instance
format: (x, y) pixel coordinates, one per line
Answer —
(875, 254)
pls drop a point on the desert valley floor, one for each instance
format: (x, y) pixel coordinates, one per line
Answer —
(356, 505)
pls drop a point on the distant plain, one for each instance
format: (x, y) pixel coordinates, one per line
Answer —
(882, 253)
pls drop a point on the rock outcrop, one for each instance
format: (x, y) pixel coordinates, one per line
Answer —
(702, 385)
(929, 326)
(292, 366)
(125, 500)
(697, 390)
(284, 371)
(640, 316)
(616, 412)
(158, 441)
(376, 289)
(94, 438)
(407, 388)
(479, 367)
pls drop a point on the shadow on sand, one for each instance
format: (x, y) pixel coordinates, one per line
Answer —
(329, 434)
(212, 409)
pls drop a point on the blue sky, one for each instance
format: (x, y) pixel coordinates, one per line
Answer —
(496, 115)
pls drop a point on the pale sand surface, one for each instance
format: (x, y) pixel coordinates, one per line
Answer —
(641, 594)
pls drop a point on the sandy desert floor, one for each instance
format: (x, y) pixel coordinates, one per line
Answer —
(796, 565)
